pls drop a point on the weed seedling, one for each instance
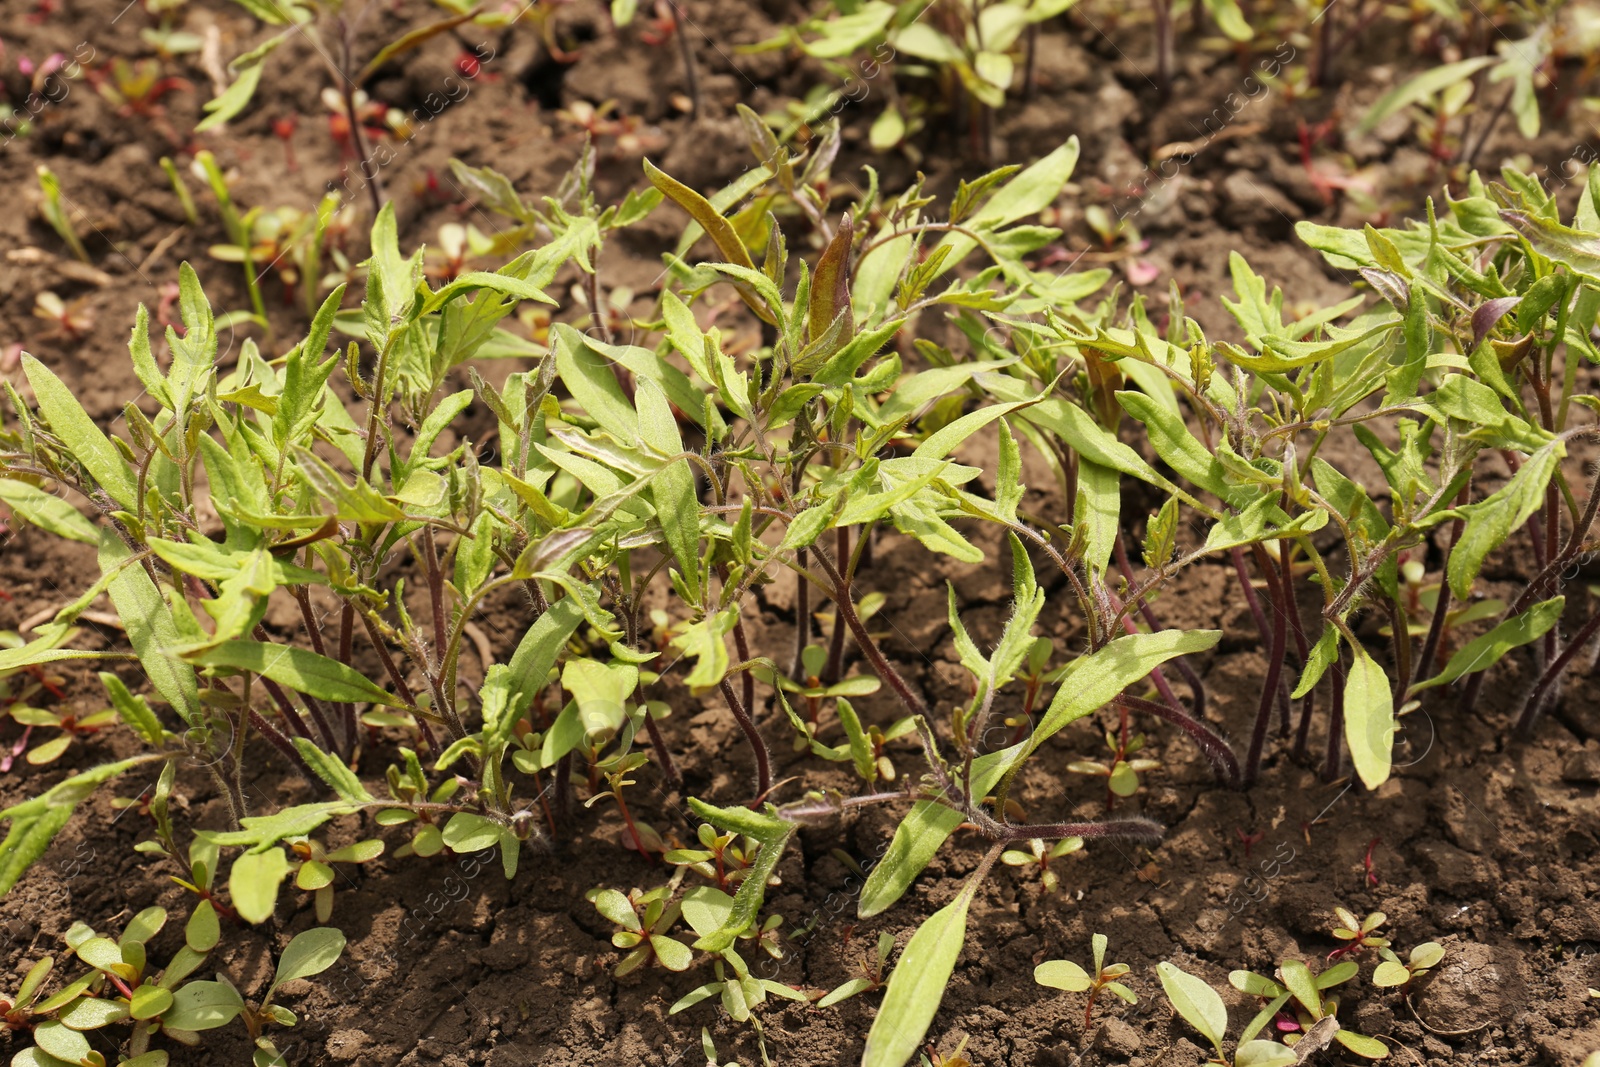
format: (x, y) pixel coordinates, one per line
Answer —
(1121, 772)
(1201, 1007)
(1037, 855)
(1314, 1015)
(874, 966)
(208, 1005)
(312, 865)
(1419, 961)
(1064, 974)
(645, 919)
(71, 320)
(1359, 934)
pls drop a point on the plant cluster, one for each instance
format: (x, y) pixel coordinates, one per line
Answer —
(780, 413)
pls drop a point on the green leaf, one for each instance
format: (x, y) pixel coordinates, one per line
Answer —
(1230, 19)
(203, 1006)
(920, 833)
(672, 490)
(774, 834)
(295, 668)
(72, 425)
(706, 909)
(1320, 658)
(202, 931)
(253, 883)
(150, 1001)
(1493, 519)
(34, 1056)
(334, 771)
(57, 1040)
(1362, 1045)
(35, 822)
(1196, 1001)
(91, 1013)
(151, 628)
(530, 664)
(704, 642)
(1297, 979)
(1026, 194)
(1173, 442)
(47, 511)
(1062, 974)
(236, 97)
(1369, 720)
(1092, 681)
(261, 832)
(1264, 1054)
(1487, 650)
(133, 710)
(466, 832)
(918, 983)
(1422, 87)
(1577, 250)
(311, 952)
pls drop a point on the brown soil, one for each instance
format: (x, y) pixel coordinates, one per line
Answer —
(1484, 844)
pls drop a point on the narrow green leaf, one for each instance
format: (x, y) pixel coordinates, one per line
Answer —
(333, 770)
(1488, 649)
(72, 425)
(918, 983)
(47, 511)
(296, 668)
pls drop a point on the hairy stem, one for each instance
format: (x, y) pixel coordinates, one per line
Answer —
(1534, 707)
(1212, 745)
(1427, 662)
(753, 736)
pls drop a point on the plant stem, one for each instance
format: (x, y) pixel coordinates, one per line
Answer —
(753, 736)
(1269, 689)
(686, 51)
(402, 690)
(1140, 829)
(880, 664)
(1211, 743)
(1163, 41)
(357, 137)
(1275, 600)
(1427, 662)
(347, 619)
(1400, 628)
(1330, 766)
(830, 672)
(1534, 706)
(283, 744)
(802, 618)
(1197, 689)
(430, 557)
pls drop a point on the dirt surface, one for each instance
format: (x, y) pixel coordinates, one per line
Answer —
(1484, 844)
